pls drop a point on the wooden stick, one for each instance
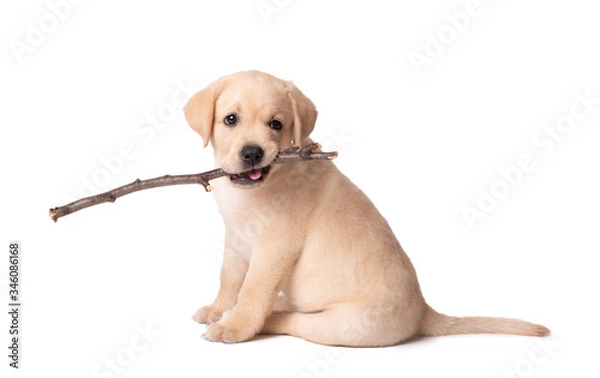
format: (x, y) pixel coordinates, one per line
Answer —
(290, 155)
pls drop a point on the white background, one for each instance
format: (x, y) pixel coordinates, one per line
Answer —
(422, 146)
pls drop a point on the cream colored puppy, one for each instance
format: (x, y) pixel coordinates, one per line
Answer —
(305, 231)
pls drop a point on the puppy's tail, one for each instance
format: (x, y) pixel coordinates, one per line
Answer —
(436, 324)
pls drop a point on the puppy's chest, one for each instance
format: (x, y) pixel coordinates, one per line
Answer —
(246, 222)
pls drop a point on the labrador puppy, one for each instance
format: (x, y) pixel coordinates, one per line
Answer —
(306, 252)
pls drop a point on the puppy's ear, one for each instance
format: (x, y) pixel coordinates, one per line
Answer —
(305, 114)
(200, 108)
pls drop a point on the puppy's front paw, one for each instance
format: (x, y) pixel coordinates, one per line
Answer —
(207, 315)
(229, 330)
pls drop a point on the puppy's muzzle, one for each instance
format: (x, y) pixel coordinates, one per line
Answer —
(252, 156)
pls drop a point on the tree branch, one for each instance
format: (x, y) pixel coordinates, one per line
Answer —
(290, 155)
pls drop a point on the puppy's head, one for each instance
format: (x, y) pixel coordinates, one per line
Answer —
(248, 117)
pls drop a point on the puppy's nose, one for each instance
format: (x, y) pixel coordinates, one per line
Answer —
(252, 155)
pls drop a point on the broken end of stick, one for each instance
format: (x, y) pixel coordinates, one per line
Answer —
(308, 149)
(333, 155)
(53, 212)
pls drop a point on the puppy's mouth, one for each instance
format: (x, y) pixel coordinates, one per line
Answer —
(251, 177)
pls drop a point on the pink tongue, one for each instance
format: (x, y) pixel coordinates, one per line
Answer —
(255, 174)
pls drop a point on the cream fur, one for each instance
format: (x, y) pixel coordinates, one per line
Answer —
(306, 252)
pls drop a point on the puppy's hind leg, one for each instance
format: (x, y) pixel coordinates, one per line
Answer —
(344, 324)
(282, 304)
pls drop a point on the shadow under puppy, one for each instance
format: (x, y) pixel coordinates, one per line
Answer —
(305, 231)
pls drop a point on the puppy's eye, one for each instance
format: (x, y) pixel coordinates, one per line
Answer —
(230, 120)
(275, 124)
